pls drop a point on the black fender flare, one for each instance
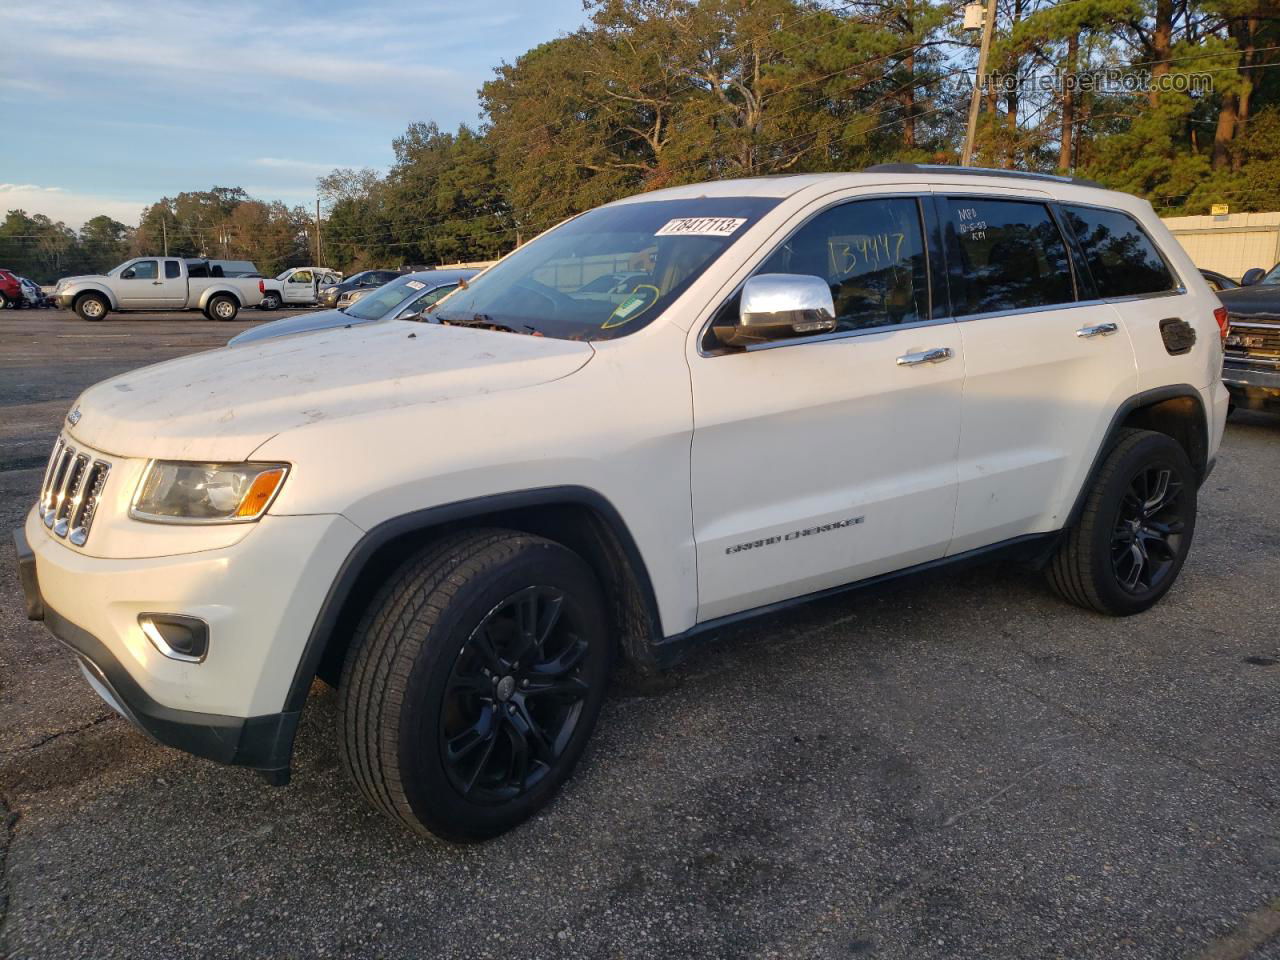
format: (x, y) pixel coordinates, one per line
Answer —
(1139, 400)
(425, 519)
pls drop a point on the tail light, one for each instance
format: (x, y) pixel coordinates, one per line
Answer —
(262, 288)
(1224, 322)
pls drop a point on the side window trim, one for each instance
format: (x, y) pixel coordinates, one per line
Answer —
(1082, 281)
(921, 201)
(1178, 289)
(940, 300)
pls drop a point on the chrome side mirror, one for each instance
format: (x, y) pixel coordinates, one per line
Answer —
(1252, 276)
(778, 306)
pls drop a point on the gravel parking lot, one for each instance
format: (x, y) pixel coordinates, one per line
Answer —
(965, 767)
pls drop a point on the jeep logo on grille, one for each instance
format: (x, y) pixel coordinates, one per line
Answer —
(74, 416)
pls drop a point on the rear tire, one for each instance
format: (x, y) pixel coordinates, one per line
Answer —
(222, 307)
(1132, 538)
(473, 683)
(92, 307)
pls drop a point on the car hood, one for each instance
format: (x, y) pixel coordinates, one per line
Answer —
(223, 404)
(67, 281)
(302, 323)
(1259, 298)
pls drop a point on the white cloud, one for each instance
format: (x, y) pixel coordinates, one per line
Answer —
(72, 208)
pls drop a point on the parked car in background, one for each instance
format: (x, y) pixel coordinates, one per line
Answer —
(1251, 363)
(34, 294)
(297, 286)
(364, 280)
(398, 300)
(1218, 281)
(160, 283)
(10, 290)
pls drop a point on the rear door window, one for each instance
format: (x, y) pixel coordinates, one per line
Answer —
(1005, 255)
(171, 271)
(1122, 258)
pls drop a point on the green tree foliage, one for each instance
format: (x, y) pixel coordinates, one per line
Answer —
(653, 93)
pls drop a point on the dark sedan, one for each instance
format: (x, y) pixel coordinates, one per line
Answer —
(399, 300)
(364, 280)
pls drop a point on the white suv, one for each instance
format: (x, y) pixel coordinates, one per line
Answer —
(806, 383)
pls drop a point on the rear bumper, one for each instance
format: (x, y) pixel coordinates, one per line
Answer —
(1251, 384)
(262, 743)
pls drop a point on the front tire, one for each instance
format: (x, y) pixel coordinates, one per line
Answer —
(473, 683)
(1129, 545)
(270, 301)
(92, 307)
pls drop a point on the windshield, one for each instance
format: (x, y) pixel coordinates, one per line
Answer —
(651, 251)
(1272, 279)
(375, 305)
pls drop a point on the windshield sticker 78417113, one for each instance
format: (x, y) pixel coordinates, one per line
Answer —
(700, 227)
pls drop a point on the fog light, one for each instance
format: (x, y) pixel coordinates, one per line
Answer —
(177, 637)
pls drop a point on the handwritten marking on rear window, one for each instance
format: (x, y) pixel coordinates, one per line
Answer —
(970, 226)
(700, 227)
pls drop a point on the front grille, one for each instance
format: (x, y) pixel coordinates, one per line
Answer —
(71, 492)
(1249, 339)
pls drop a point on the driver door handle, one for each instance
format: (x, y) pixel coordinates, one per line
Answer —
(936, 355)
(1100, 330)
(157, 283)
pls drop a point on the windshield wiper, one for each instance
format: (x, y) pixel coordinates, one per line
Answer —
(484, 320)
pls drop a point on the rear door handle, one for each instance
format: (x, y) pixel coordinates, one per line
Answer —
(1100, 330)
(936, 355)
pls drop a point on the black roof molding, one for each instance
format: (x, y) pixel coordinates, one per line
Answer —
(978, 172)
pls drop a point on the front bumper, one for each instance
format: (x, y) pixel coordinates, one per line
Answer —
(64, 300)
(260, 598)
(263, 743)
(1251, 384)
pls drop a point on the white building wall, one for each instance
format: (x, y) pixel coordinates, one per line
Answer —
(1230, 244)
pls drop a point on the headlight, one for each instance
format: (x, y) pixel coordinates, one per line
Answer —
(175, 492)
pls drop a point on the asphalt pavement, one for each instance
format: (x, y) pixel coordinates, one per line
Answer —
(966, 767)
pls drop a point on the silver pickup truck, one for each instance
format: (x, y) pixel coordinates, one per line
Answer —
(160, 283)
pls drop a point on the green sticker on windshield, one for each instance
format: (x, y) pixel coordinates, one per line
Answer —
(637, 302)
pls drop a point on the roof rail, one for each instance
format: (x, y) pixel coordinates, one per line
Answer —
(977, 172)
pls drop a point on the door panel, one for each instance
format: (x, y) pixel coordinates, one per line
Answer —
(1037, 401)
(1045, 371)
(819, 462)
(822, 463)
(300, 287)
(143, 286)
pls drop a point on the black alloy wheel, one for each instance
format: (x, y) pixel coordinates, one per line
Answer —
(514, 697)
(473, 682)
(1134, 531)
(1147, 537)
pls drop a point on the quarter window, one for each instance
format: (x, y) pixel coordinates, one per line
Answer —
(871, 252)
(1123, 260)
(1008, 255)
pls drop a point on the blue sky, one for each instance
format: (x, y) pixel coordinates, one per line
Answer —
(122, 103)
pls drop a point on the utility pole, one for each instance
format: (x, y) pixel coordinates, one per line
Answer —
(319, 242)
(975, 102)
(164, 229)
